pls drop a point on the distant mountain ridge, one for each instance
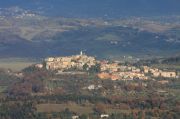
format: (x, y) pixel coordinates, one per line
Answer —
(98, 8)
(104, 42)
(23, 33)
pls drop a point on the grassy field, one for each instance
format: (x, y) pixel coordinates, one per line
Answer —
(61, 107)
(16, 64)
(2, 88)
(48, 108)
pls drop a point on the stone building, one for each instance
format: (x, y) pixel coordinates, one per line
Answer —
(75, 61)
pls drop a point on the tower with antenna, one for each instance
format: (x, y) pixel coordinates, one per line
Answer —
(81, 53)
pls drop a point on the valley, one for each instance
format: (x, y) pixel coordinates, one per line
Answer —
(39, 36)
(89, 59)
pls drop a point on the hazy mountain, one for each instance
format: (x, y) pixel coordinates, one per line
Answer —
(103, 41)
(26, 30)
(98, 8)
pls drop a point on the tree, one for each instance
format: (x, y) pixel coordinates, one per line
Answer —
(99, 108)
(83, 116)
(95, 69)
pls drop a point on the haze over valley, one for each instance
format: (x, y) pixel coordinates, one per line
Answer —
(90, 59)
(24, 33)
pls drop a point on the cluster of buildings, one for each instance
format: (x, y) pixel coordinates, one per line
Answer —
(74, 62)
(159, 73)
(115, 71)
(108, 70)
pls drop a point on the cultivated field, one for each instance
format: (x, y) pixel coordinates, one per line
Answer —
(61, 107)
(16, 64)
(86, 109)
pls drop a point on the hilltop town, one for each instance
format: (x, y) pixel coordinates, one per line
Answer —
(76, 61)
(105, 69)
(72, 87)
(129, 66)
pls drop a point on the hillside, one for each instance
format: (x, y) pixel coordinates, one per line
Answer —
(105, 41)
(27, 34)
